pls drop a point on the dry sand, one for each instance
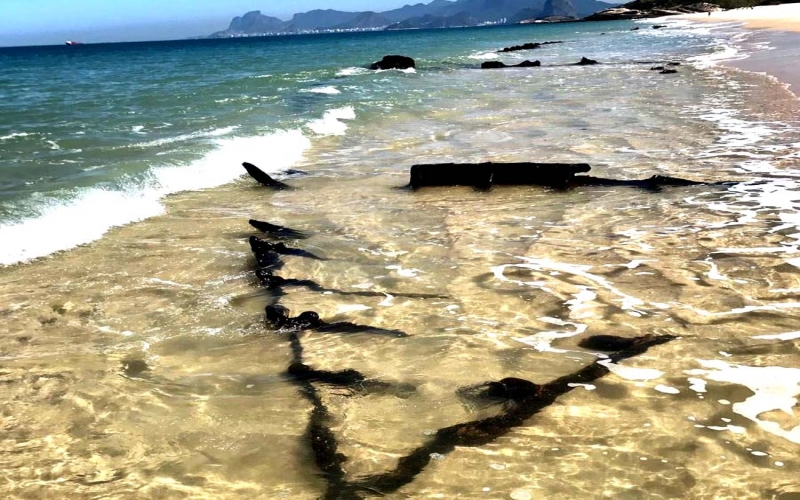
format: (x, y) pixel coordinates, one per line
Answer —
(781, 23)
(784, 17)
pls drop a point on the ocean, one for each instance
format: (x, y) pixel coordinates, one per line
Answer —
(134, 358)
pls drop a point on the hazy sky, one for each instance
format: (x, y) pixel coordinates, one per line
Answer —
(33, 22)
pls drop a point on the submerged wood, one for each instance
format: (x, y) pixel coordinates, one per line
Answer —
(263, 178)
(258, 245)
(554, 175)
(653, 183)
(522, 400)
(278, 319)
(349, 379)
(278, 231)
(485, 175)
(276, 283)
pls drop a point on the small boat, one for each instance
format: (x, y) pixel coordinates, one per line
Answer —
(72, 42)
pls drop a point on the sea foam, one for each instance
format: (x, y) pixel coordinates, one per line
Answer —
(330, 123)
(91, 212)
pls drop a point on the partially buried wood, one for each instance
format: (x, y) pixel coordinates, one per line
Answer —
(263, 178)
(521, 399)
(278, 319)
(653, 183)
(278, 231)
(258, 245)
(485, 175)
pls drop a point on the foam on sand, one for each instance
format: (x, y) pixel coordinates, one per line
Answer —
(774, 388)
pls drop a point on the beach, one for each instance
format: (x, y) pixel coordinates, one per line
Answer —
(135, 358)
(780, 24)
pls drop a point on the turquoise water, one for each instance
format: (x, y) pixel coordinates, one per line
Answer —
(86, 127)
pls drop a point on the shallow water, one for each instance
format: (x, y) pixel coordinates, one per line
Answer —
(523, 273)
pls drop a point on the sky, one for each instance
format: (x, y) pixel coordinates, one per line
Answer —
(46, 22)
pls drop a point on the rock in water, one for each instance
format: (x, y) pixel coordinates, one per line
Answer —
(586, 62)
(394, 62)
(262, 177)
(524, 46)
(499, 64)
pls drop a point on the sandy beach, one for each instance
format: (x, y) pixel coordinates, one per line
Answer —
(780, 25)
(784, 17)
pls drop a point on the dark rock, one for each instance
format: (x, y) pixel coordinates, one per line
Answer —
(135, 368)
(394, 62)
(668, 71)
(641, 9)
(657, 68)
(616, 14)
(659, 26)
(673, 64)
(485, 175)
(635, 29)
(586, 62)
(262, 177)
(498, 64)
(524, 46)
(528, 46)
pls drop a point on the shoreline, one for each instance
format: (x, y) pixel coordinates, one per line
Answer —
(780, 24)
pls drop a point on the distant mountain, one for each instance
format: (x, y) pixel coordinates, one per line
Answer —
(366, 20)
(418, 10)
(430, 21)
(560, 8)
(255, 22)
(316, 19)
(436, 14)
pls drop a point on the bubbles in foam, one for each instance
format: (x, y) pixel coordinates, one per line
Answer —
(14, 135)
(217, 132)
(482, 56)
(322, 90)
(330, 123)
(773, 387)
(352, 71)
(83, 219)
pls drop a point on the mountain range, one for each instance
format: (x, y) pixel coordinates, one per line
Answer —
(436, 14)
